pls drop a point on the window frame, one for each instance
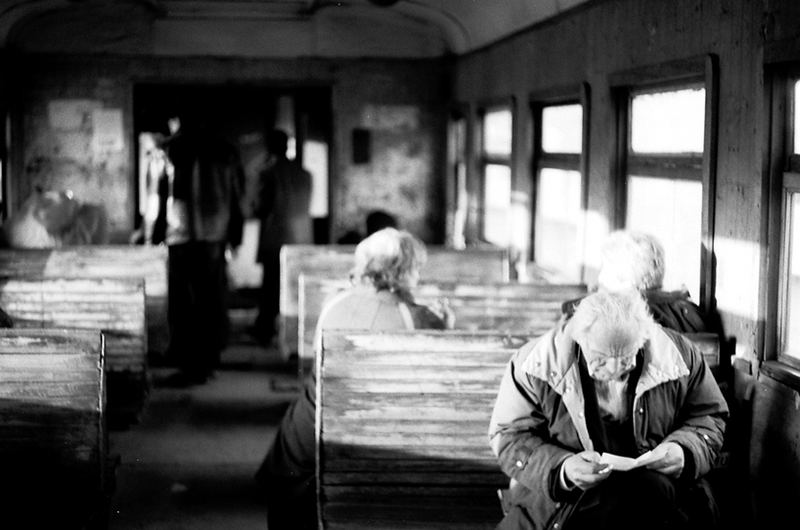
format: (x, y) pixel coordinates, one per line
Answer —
(485, 159)
(699, 70)
(790, 184)
(5, 150)
(540, 159)
(783, 168)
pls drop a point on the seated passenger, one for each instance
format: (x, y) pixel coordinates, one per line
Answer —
(386, 268)
(5, 319)
(610, 380)
(635, 260)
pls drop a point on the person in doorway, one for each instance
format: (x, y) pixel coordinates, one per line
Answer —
(283, 207)
(199, 207)
(631, 260)
(609, 380)
(375, 220)
(386, 269)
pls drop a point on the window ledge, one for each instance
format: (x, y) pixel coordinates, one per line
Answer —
(782, 372)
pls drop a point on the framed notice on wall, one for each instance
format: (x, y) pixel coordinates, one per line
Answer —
(107, 130)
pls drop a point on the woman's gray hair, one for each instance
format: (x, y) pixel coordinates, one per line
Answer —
(389, 259)
(633, 259)
(624, 313)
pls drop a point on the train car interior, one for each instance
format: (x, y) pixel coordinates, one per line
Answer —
(510, 137)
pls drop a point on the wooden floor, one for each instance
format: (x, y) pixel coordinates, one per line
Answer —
(189, 463)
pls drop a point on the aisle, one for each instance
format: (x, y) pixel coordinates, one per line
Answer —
(189, 463)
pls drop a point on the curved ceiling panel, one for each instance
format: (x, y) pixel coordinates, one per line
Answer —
(375, 28)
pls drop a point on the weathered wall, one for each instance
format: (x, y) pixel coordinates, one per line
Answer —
(72, 132)
(401, 108)
(775, 454)
(401, 177)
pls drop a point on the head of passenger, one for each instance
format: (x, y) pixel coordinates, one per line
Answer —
(631, 260)
(389, 259)
(378, 219)
(277, 143)
(610, 329)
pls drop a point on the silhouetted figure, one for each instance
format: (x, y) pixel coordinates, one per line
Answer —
(283, 207)
(5, 320)
(379, 219)
(374, 221)
(199, 208)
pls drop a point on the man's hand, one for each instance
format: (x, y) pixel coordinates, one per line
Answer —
(585, 470)
(671, 463)
(441, 307)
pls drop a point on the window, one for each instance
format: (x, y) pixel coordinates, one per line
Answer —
(558, 218)
(790, 275)
(787, 345)
(496, 131)
(456, 180)
(664, 175)
(5, 126)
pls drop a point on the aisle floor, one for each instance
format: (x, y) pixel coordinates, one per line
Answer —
(189, 462)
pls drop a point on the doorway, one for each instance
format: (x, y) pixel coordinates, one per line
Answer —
(244, 114)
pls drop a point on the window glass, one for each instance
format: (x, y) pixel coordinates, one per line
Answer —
(457, 172)
(792, 311)
(668, 121)
(315, 160)
(562, 129)
(796, 124)
(497, 203)
(557, 237)
(670, 209)
(497, 132)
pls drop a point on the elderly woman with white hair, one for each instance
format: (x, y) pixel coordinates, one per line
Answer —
(387, 265)
(631, 260)
(609, 381)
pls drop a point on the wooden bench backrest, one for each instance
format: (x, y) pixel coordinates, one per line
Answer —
(402, 423)
(502, 307)
(53, 404)
(103, 261)
(710, 346)
(114, 306)
(479, 265)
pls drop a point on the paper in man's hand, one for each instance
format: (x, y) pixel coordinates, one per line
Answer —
(624, 463)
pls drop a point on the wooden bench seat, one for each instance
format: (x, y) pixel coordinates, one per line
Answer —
(402, 429)
(502, 307)
(103, 261)
(53, 440)
(710, 345)
(116, 306)
(480, 265)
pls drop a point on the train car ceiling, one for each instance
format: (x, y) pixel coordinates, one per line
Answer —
(271, 28)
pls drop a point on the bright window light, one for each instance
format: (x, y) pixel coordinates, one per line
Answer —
(791, 340)
(497, 132)
(557, 234)
(497, 204)
(796, 149)
(562, 129)
(668, 122)
(670, 209)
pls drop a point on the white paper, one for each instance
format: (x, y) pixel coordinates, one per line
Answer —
(624, 463)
